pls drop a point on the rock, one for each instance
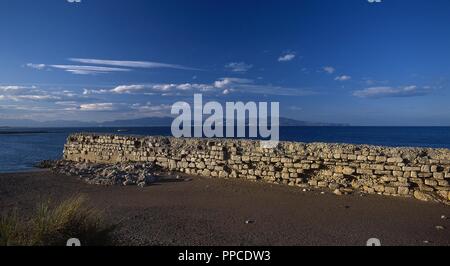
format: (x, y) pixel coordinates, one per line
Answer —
(128, 183)
(338, 192)
(423, 196)
(348, 171)
(322, 184)
(403, 190)
(443, 217)
(249, 222)
(142, 184)
(440, 227)
(47, 164)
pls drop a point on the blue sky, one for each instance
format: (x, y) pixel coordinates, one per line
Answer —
(344, 61)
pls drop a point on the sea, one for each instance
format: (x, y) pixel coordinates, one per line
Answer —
(21, 149)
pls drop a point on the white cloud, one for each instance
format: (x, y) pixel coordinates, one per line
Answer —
(151, 108)
(98, 66)
(130, 64)
(329, 69)
(229, 82)
(343, 78)
(33, 93)
(88, 70)
(287, 57)
(128, 89)
(223, 86)
(35, 97)
(239, 67)
(14, 89)
(383, 92)
(98, 107)
(36, 66)
(155, 88)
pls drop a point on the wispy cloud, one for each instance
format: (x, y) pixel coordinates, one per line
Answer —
(36, 66)
(100, 66)
(161, 88)
(152, 109)
(130, 64)
(224, 86)
(230, 82)
(88, 70)
(98, 107)
(384, 92)
(33, 93)
(287, 57)
(239, 67)
(343, 78)
(329, 69)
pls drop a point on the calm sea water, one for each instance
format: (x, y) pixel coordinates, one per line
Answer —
(20, 149)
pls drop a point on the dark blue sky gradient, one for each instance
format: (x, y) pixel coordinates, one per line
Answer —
(391, 60)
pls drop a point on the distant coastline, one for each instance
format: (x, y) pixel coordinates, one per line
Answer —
(141, 122)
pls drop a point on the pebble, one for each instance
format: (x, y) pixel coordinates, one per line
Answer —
(440, 227)
(126, 174)
(443, 217)
(142, 184)
(337, 192)
(249, 222)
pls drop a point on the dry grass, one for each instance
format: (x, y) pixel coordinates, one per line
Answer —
(54, 226)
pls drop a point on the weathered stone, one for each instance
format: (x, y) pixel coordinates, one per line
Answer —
(337, 192)
(423, 196)
(348, 171)
(438, 175)
(322, 184)
(395, 160)
(423, 187)
(431, 182)
(403, 190)
(390, 190)
(425, 169)
(393, 171)
(379, 188)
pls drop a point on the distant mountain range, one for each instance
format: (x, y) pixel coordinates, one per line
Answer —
(141, 122)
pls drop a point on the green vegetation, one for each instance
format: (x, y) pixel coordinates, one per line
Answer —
(54, 226)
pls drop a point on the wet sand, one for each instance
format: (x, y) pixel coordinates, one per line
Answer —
(216, 212)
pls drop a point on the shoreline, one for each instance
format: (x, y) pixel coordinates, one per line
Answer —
(214, 212)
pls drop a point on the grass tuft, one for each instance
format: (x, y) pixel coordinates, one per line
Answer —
(54, 226)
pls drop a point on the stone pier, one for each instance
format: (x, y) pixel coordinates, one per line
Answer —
(417, 172)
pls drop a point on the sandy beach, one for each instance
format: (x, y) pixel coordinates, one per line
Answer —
(216, 212)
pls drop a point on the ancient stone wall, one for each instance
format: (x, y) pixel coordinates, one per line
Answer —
(343, 168)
